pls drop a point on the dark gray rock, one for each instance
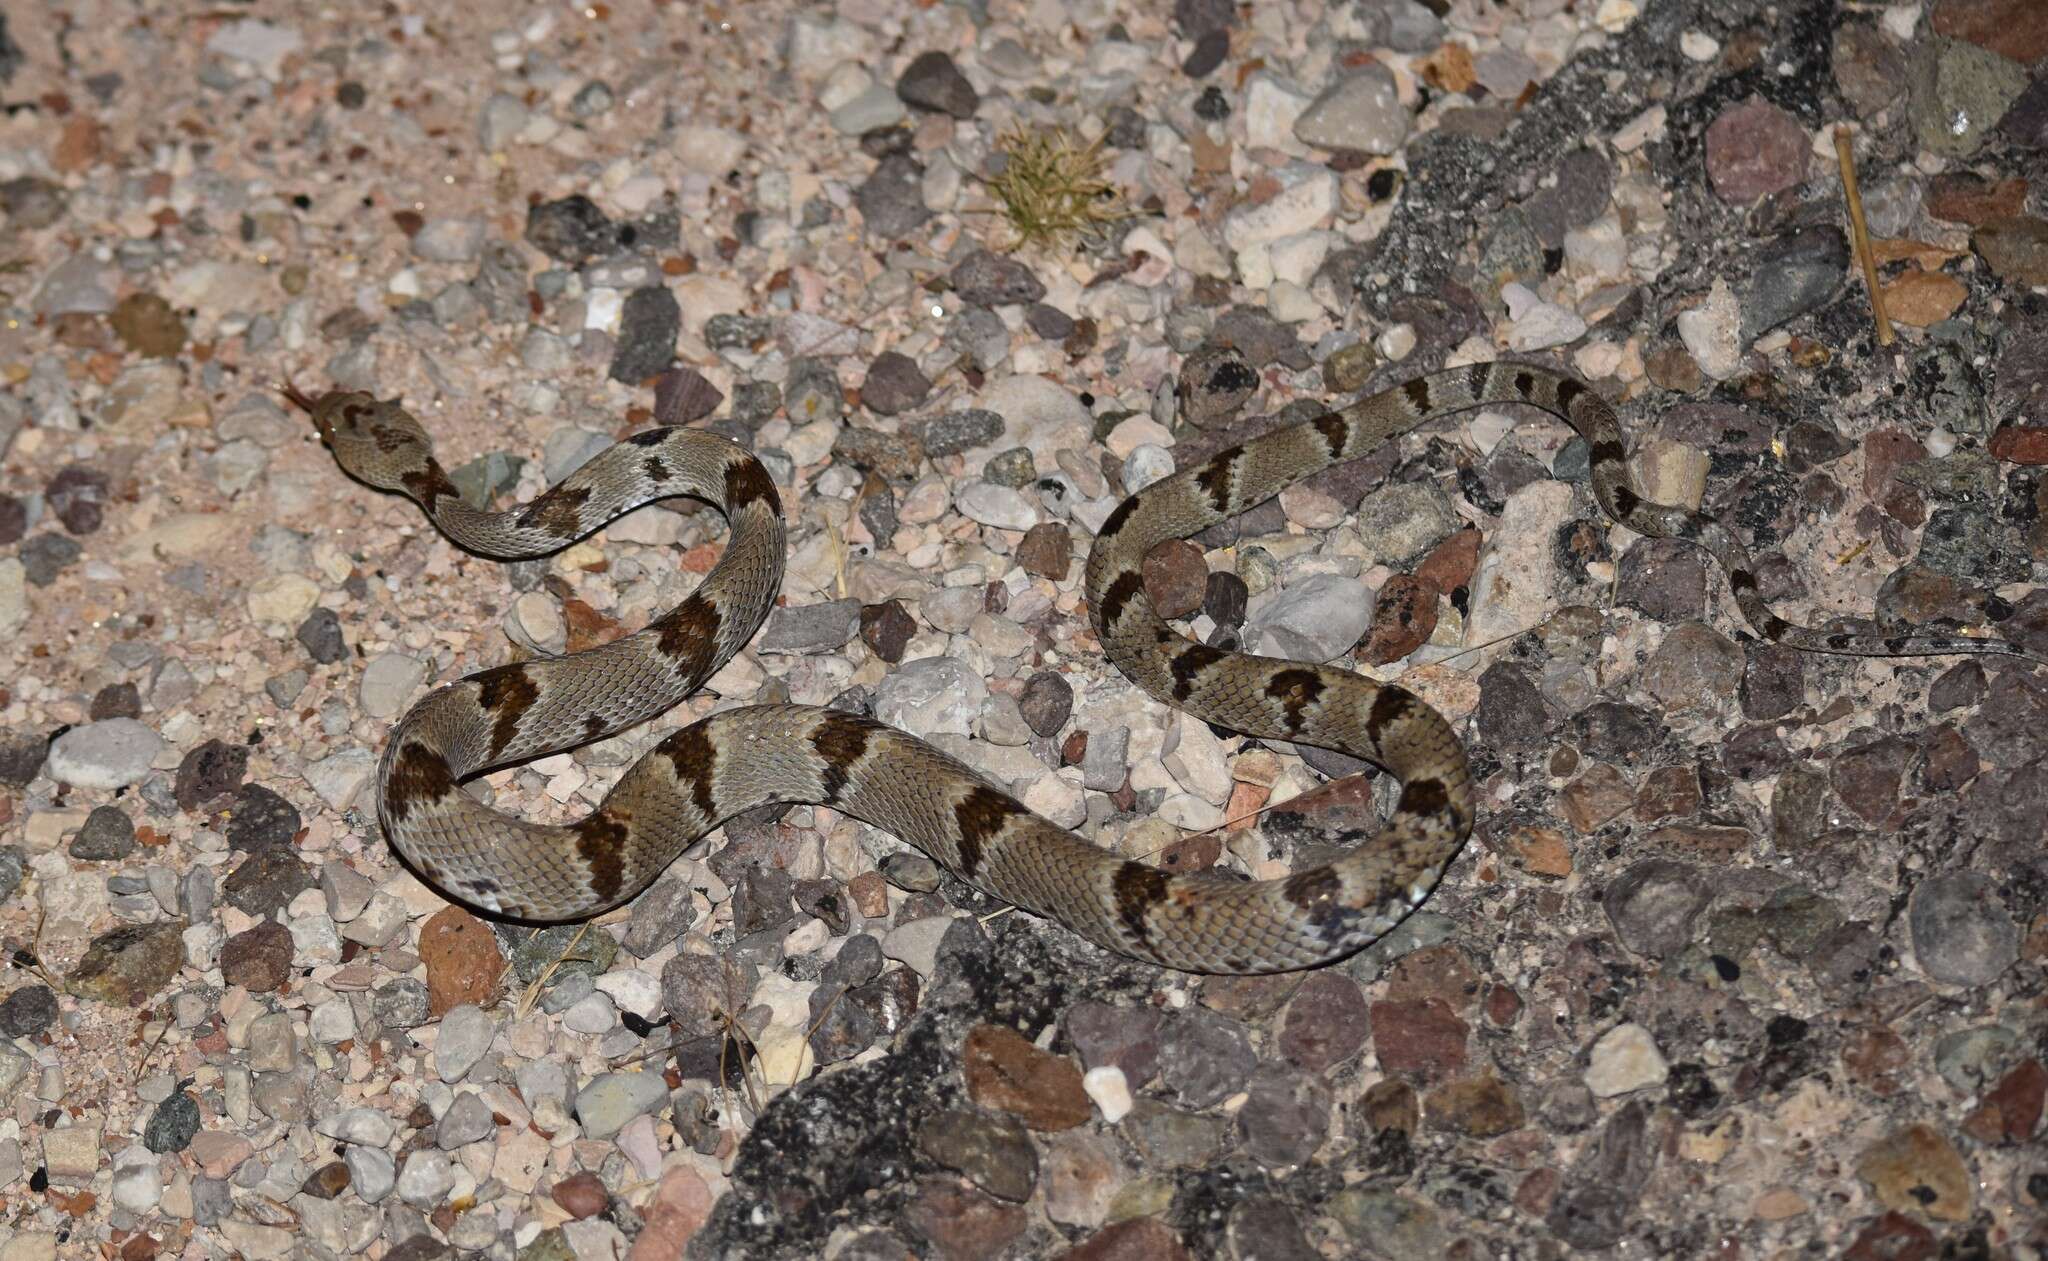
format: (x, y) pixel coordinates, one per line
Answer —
(932, 82)
(108, 836)
(649, 323)
(891, 199)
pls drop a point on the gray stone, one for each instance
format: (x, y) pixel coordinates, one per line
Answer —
(426, 1179)
(1361, 111)
(612, 1099)
(1963, 934)
(1318, 618)
(110, 754)
(450, 240)
(371, 1172)
(930, 696)
(466, 1033)
(466, 1120)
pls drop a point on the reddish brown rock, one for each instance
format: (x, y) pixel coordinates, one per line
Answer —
(1327, 1022)
(1423, 1036)
(1005, 1071)
(1596, 798)
(886, 628)
(682, 1204)
(1503, 1006)
(587, 627)
(1668, 791)
(1047, 550)
(463, 961)
(1755, 149)
(2020, 444)
(1451, 563)
(259, 960)
(1246, 997)
(1961, 197)
(1176, 578)
(1885, 452)
(2012, 1108)
(581, 1195)
(870, 894)
(962, 1223)
(1440, 972)
(1139, 1239)
(1403, 619)
(1542, 851)
(2011, 28)
(1673, 368)
(1893, 1237)
(1391, 1104)
(1534, 1193)
(1875, 1056)
(2015, 248)
(1919, 298)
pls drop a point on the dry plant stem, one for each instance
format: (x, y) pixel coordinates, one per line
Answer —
(1861, 234)
(142, 1064)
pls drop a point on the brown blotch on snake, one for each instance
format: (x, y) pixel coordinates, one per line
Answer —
(1127, 587)
(601, 841)
(419, 776)
(1388, 708)
(1296, 690)
(1335, 430)
(1425, 797)
(430, 485)
(1135, 890)
(558, 512)
(746, 482)
(1188, 664)
(1314, 890)
(1215, 476)
(982, 816)
(841, 741)
(693, 759)
(1115, 520)
(507, 693)
(688, 633)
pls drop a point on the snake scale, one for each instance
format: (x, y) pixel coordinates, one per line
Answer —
(739, 759)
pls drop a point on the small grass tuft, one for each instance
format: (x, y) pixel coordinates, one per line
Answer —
(1051, 187)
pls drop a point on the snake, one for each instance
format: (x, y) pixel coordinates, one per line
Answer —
(739, 759)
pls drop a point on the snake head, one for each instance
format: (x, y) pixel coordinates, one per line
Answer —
(376, 441)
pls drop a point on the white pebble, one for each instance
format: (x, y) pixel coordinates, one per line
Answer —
(1112, 1094)
(1712, 331)
(1055, 798)
(1000, 506)
(1625, 1059)
(1146, 464)
(1538, 325)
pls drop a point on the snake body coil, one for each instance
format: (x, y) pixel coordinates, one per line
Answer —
(743, 758)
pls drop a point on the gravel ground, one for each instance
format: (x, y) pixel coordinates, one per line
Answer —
(1745, 958)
